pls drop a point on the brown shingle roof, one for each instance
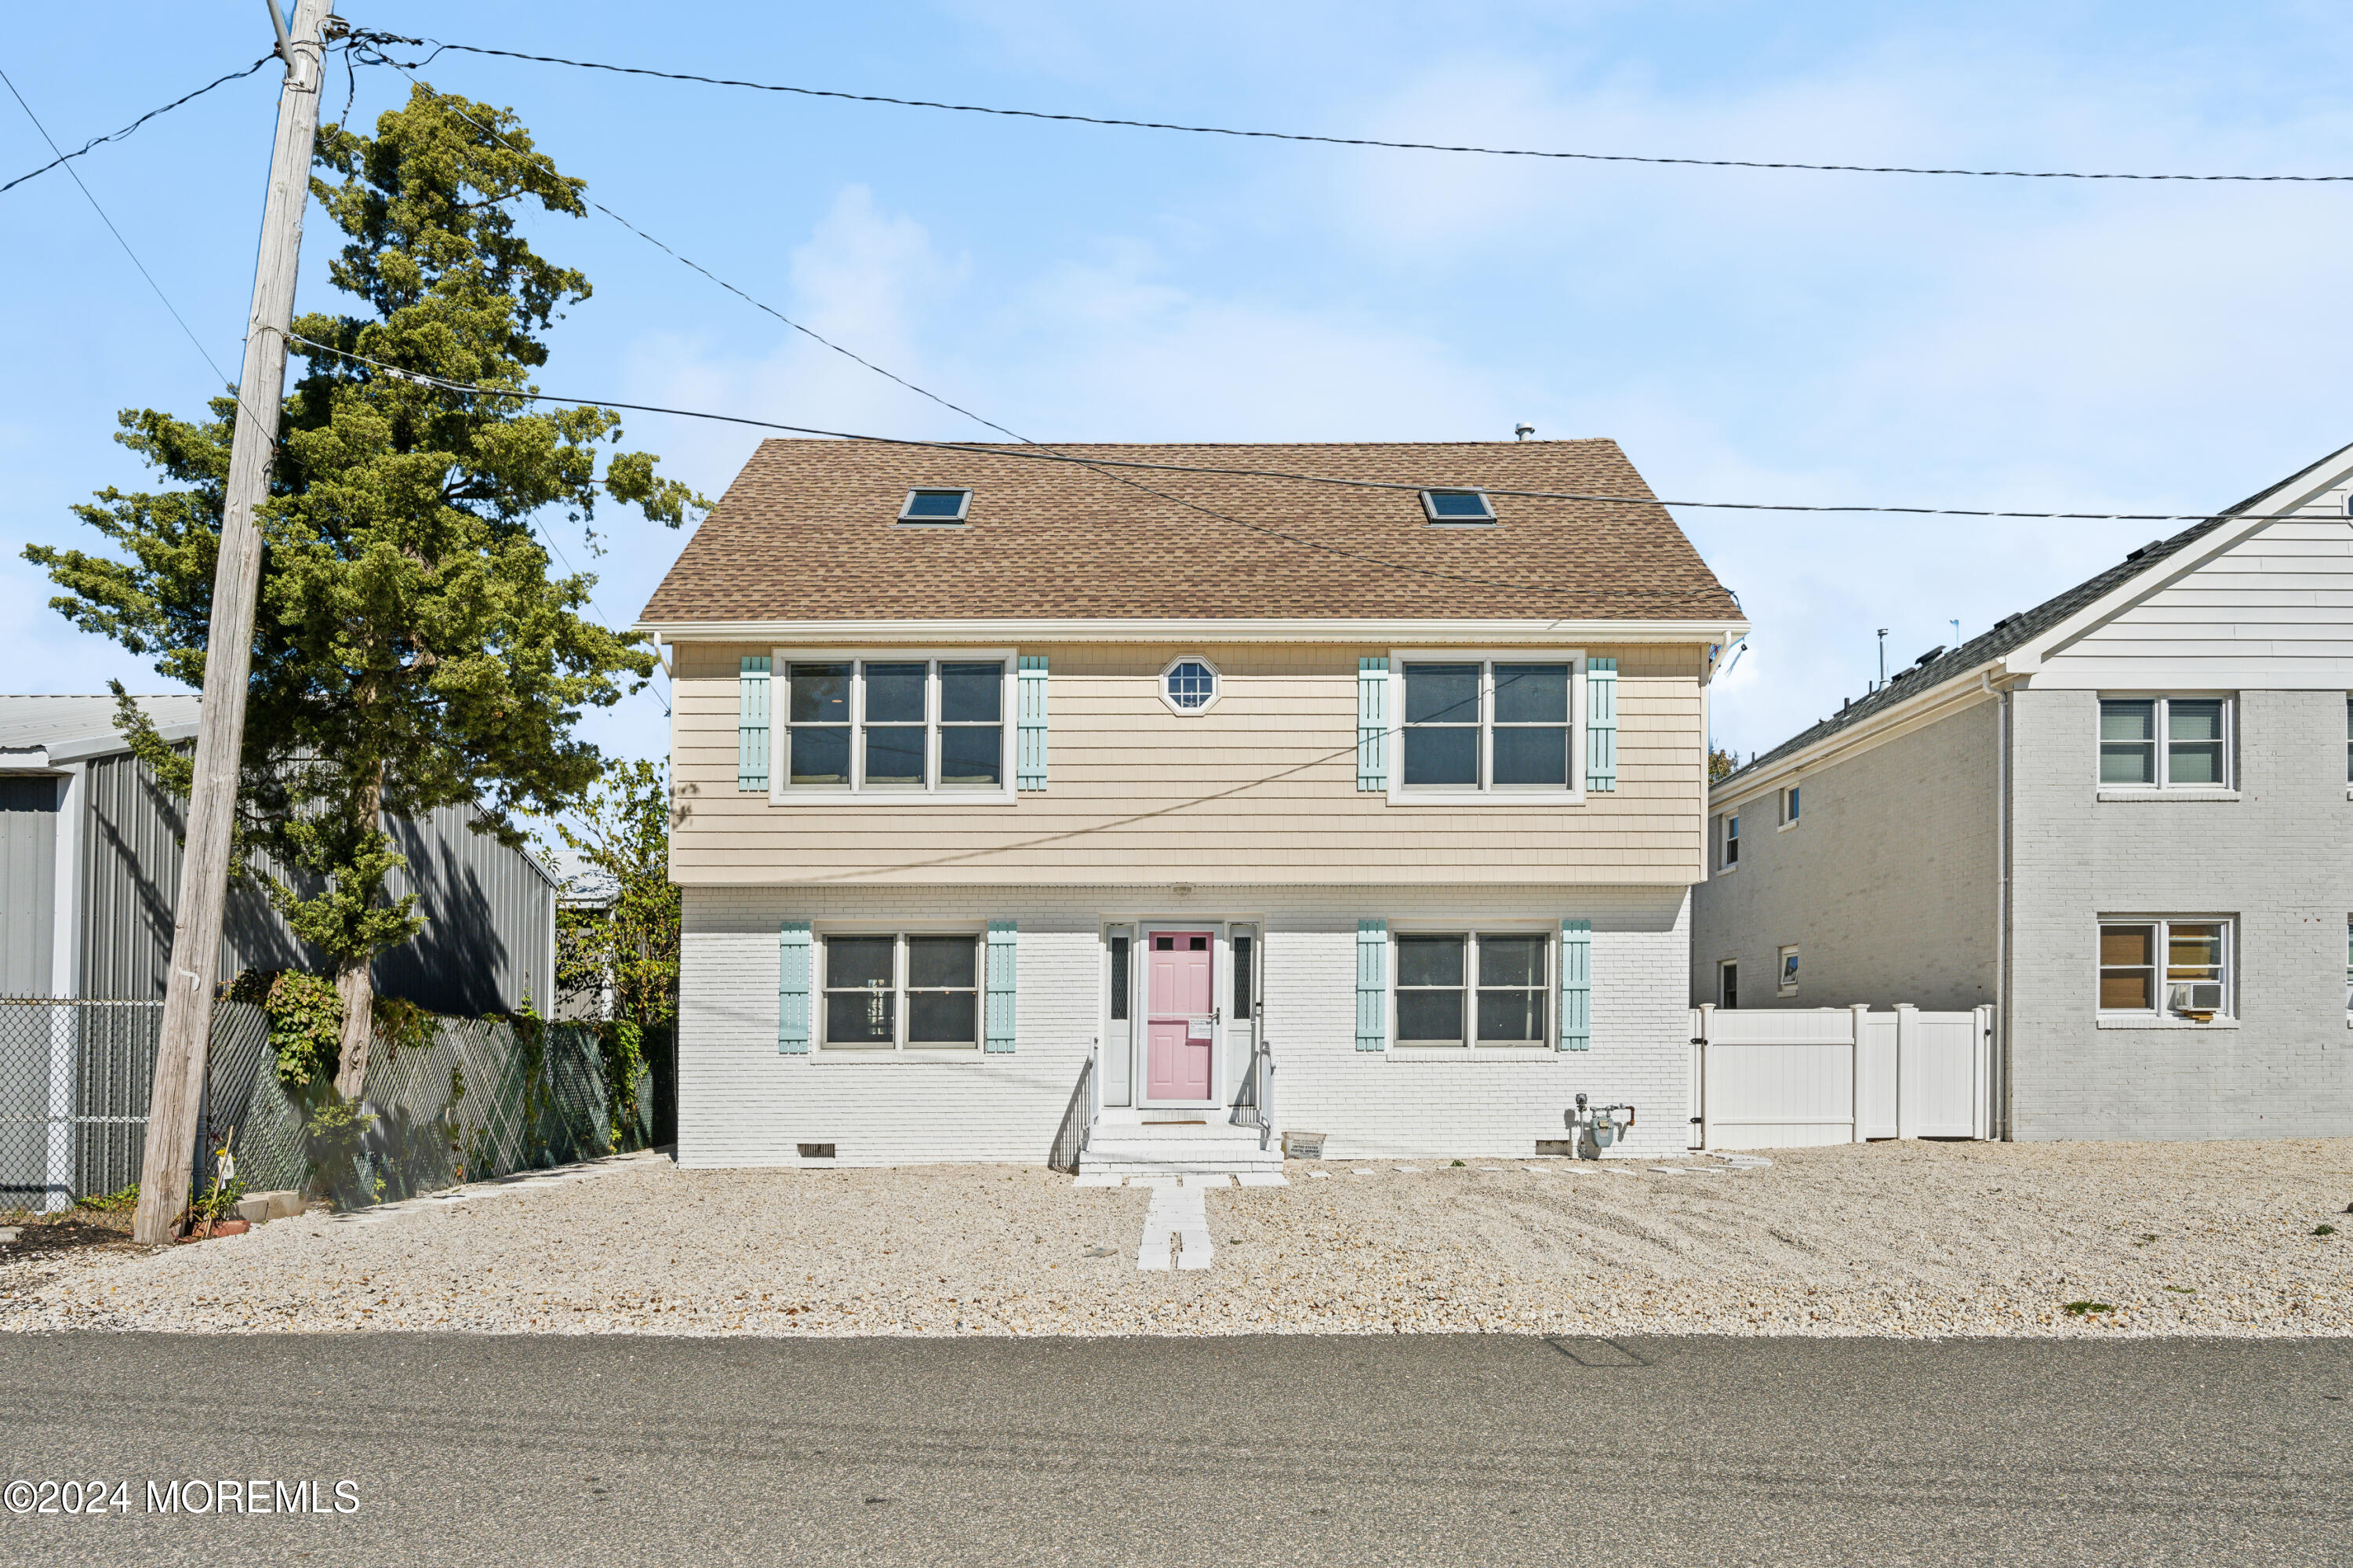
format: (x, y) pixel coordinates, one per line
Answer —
(808, 531)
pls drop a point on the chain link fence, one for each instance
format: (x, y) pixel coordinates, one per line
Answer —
(477, 1098)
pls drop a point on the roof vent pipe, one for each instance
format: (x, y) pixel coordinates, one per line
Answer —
(1523, 433)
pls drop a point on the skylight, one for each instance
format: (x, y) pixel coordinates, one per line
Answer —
(935, 506)
(1456, 506)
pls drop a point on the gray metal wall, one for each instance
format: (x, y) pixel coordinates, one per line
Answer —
(131, 881)
(489, 910)
(28, 858)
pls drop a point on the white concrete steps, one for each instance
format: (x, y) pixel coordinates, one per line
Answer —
(1175, 1149)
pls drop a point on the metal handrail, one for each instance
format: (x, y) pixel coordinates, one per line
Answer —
(1094, 1094)
(1255, 1105)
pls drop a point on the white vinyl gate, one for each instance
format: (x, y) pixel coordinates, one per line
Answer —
(1786, 1077)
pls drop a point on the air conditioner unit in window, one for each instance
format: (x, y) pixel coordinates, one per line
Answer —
(2196, 996)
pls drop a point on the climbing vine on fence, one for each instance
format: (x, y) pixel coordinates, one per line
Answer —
(306, 1020)
(623, 1047)
(402, 1025)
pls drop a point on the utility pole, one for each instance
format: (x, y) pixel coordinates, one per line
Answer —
(228, 651)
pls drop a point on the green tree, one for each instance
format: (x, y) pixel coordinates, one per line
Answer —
(1721, 764)
(624, 937)
(410, 650)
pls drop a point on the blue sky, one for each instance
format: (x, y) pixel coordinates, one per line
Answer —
(1748, 335)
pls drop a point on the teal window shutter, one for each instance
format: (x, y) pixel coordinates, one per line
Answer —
(1373, 725)
(1576, 985)
(795, 967)
(1029, 733)
(1372, 985)
(1003, 939)
(752, 725)
(1601, 724)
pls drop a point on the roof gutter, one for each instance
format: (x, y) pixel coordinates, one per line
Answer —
(1198, 629)
(1970, 685)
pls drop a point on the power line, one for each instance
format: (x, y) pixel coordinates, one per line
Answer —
(1394, 486)
(439, 46)
(118, 237)
(59, 162)
(1103, 470)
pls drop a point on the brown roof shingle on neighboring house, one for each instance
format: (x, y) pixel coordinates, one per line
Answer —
(808, 532)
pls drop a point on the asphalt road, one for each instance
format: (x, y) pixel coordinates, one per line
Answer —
(1227, 1452)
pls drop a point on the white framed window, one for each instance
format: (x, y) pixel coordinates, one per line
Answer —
(1472, 990)
(1729, 857)
(2167, 968)
(1489, 728)
(2349, 967)
(2166, 743)
(899, 991)
(1788, 803)
(1727, 984)
(2348, 740)
(1190, 684)
(925, 727)
(1786, 974)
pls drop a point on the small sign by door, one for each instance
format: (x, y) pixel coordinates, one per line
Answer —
(1198, 1027)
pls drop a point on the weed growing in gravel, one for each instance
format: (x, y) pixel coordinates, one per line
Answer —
(2323, 1230)
(2086, 1309)
(2183, 1289)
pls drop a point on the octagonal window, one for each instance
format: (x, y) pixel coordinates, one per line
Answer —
(1189, 684)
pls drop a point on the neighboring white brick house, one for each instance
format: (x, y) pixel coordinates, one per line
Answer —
(2086, 817)
(1015, 804)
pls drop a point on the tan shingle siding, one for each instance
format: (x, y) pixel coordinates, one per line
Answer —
(1118, 753)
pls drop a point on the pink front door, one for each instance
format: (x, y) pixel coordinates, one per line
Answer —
(1179, 1035)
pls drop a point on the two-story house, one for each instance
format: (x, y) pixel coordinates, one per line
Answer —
(1383, 764)
(2120, 818)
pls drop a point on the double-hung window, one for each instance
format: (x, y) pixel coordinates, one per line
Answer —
(902, 991)
(2165, 968)
(2165, 743)
(1731, 857)
(905, 725)
(1473, 988)
(1489, 728)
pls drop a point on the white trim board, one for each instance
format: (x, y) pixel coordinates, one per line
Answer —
(817, 633)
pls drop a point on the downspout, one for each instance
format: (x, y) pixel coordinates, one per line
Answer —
(2002, 915)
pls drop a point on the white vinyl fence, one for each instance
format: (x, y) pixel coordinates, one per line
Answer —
(1787, 1077)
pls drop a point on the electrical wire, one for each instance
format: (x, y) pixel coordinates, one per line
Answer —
(59, 162)
(1104, 470)
(1099, 466)
(1394, 486)
(271, 431)
(439, 47)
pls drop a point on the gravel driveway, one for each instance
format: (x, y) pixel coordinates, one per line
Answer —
(1888, 1239)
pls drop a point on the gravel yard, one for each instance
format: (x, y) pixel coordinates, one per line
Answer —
(1888, 1239)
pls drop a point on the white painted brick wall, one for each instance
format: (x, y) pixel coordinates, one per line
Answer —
(2275, 859)
(741, 1103)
